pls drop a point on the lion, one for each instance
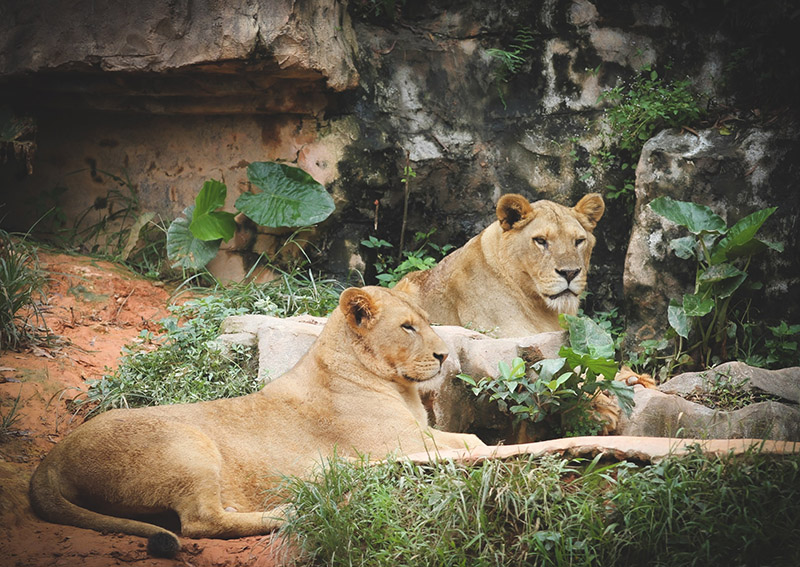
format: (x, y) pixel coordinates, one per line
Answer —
(518, 274)
(353, 394)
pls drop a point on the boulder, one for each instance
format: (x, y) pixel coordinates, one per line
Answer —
(666, 413)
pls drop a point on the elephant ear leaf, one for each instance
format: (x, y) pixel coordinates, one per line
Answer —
(208, 223)
(184, 248)
(288, 197)
(696, 218)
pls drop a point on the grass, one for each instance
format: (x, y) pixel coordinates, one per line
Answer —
(21, 288)
(186, 364)
(9, 419)
(689, 510)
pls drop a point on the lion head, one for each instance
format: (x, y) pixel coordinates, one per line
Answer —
(391, 334)
(548, 246)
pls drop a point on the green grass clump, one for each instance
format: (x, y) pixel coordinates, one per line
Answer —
(21, 289)
(186, 364)
(690, 510)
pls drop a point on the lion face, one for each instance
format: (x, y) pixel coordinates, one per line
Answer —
(392, 335)
(547, 247)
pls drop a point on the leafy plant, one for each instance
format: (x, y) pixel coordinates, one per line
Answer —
(636, 111)
(562, 388)
(722, 256)
(782, 349)
(684, 510)
(185, 363)
(389, 271)
(21, 290)
(511, 59)
(648, 104)
(288, 197)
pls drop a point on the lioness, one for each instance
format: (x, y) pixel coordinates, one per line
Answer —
(518, 274)
(354, 393)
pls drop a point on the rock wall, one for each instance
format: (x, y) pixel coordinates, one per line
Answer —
(173, 93)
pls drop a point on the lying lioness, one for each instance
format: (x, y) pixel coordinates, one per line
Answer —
(518, 274)
(354, 393)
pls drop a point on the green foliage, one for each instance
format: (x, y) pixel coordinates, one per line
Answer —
(21, 290)
(688, 510)
(782, 350)
(638, 110)
(9, 419)
(288, 197)
(389, 271)
(512, 59)
(186, 364)
(720, 391)
(207, 223)
(562, 389)
(722, 256)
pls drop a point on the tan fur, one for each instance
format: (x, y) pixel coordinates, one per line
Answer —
(507, 279)
(516, 276)
(354, 393)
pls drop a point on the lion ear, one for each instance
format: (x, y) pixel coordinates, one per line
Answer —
(592, 207)
(511, 209)
(359, 308)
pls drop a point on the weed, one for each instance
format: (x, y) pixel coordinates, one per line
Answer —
(389, 271)
(8, 420)
(511, 59)
(635, 112)
(693, 509)
(21, 290)
(723, 393)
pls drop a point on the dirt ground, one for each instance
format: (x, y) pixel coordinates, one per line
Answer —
(95, 308)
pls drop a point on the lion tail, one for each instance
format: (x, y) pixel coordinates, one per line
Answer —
(50, 504)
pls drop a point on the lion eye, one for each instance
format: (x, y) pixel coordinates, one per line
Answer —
(409, 328)
(579, 241)
(541, 242)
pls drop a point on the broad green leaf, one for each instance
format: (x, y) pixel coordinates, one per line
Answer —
(685, 247)
(725, 288)
(589, 338)
(751, 248)
(719, 273)
(696, 305)
(289, 196)
(740, 234)
(184, 249)
(549, 367)
(208, 223)
(696, 218)
(678, 319)
(599, 365)
(624, 394)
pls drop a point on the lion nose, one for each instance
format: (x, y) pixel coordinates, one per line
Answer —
(440, 356)
(568, 275)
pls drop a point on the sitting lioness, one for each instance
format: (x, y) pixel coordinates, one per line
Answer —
(518, 274)
(354, 393)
